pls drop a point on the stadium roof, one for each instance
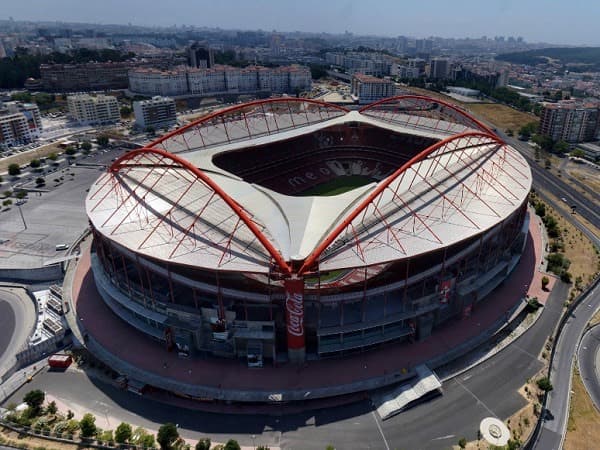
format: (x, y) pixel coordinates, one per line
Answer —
(170, 202)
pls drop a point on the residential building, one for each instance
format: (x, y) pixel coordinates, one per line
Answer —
(85, 77)
(149, 81)
(369, 89)
(156, 112)
(20, 123)
(220, 79)
(88, 110)
(569, 121)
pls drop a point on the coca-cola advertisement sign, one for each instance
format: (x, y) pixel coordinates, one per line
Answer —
(294, 312)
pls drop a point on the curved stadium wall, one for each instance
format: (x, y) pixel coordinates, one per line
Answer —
(431, 217)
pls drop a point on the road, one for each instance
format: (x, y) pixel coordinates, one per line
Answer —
(489, 389)
(555, 425)
(588, 358)
(17, 319)
(546, 181)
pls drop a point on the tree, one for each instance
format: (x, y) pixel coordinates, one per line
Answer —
(560, 148)
(34, 163)
(87, 425)
(545, 282)
(35, 400)
(70, 150)
(86, 146)
(14, 169)
(544, 384)
(123, 433)
(125, 111)
(52, 156)
(7, 202)
(232, 444)
(142, 438)
(203, 444)
(51, 408)
(167, 435)
(462, 442)
(102, 141)
(40, 181)
(150, 129)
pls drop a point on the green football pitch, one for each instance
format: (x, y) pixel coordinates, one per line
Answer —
(338, 186)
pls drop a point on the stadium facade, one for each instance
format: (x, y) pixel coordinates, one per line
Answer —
(290, 229)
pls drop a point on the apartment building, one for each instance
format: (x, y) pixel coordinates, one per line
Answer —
(156, 112)
(220, 79)
(20, 123)
(88, 110)
(369, 89)
(570, 121)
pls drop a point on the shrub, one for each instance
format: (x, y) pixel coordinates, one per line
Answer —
(52, 156)
(123, 433)
(86, 146)
(14, 169)
(545, 282)
(35, 163)
(51, 408)
(544, 384)
(203, 444)
(35, 400)
(167, 435)
(232, 444)
(462, 442)
(87, 425)
(7, 202)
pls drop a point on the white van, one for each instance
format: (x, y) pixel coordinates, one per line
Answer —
(62, 247)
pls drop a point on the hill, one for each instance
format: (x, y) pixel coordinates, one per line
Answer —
(588, 58)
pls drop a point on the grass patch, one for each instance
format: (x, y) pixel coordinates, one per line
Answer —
(338, 186)
(501, 116)
(582, 428)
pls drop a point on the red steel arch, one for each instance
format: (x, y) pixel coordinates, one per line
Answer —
(237, 209)
(469, 117)
(241, 107)
(316, 253)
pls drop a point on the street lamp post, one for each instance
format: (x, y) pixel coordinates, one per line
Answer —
(253, 443)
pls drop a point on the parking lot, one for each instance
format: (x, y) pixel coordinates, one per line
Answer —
(30, 232)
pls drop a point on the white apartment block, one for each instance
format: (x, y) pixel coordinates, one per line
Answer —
(158, 82)
(220, 80)
(88, 110)
(156, 112)
(369, 89)
(20, 123)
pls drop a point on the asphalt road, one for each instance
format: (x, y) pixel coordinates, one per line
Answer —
(588, 358)
(489, 389)
(17, 319)
(544, 180)
(7, 325)
(555, 423)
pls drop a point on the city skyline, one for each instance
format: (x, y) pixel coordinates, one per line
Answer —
(535, 21)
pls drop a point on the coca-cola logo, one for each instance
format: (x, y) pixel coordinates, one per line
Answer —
(295, 314)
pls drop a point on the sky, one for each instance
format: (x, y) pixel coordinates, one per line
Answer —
(572, 22)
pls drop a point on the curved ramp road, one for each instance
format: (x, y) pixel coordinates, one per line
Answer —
(588, 358)
(17, 319)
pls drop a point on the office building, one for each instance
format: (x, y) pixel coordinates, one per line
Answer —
(200, 56)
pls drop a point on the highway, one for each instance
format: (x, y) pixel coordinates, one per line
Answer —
(544, 180)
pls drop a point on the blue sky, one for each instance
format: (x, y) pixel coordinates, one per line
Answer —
(560, 22)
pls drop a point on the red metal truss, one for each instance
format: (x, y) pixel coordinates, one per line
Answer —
(449, 145)
(252, 119)
(132, 159)
(419, 106)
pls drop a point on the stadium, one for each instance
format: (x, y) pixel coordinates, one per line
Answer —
(289, 230)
